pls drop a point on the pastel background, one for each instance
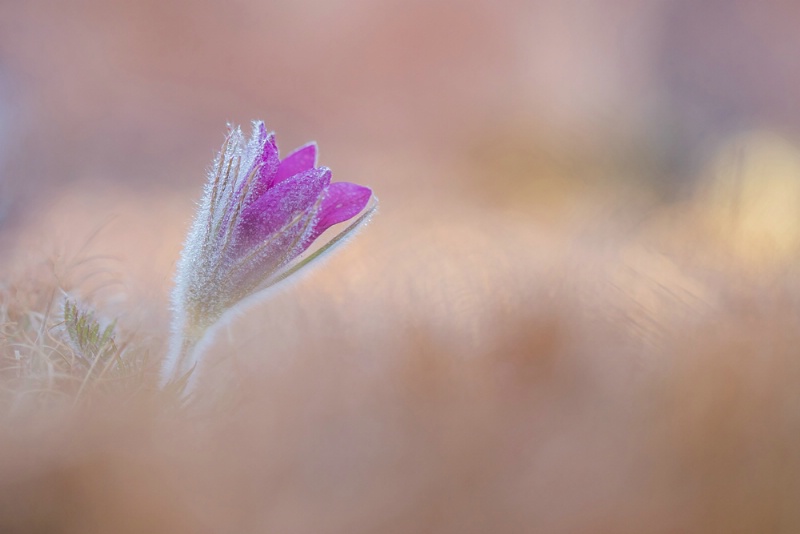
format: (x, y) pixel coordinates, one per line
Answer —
(575, 311)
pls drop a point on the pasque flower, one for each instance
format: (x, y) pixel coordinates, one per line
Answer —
(258, 214)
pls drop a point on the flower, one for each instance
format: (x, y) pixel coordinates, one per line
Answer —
(258, 214)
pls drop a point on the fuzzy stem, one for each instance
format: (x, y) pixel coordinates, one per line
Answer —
(182, 358)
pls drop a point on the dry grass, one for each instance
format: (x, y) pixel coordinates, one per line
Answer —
(56, 352)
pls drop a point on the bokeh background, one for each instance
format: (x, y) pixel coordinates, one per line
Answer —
(575, 311)
(485, 105)
(477, 100)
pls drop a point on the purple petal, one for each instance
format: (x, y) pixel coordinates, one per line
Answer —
(259, 132)
(262, 151)
(302, 159)
(342, 201)
(270, 162)
(273, 212)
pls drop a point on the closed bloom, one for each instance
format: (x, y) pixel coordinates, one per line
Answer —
(258, 214)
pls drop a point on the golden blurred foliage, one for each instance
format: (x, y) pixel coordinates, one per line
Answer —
(751, 197)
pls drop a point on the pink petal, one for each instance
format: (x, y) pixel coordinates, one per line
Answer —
(259, 131)
(342, 201)
(300, 160)
(270, 162)
(277, 207)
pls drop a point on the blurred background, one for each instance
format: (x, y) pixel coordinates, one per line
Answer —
(568, 189)
(478, 98)
(496, 106)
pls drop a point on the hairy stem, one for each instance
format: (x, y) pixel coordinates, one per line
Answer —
(182, 358)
